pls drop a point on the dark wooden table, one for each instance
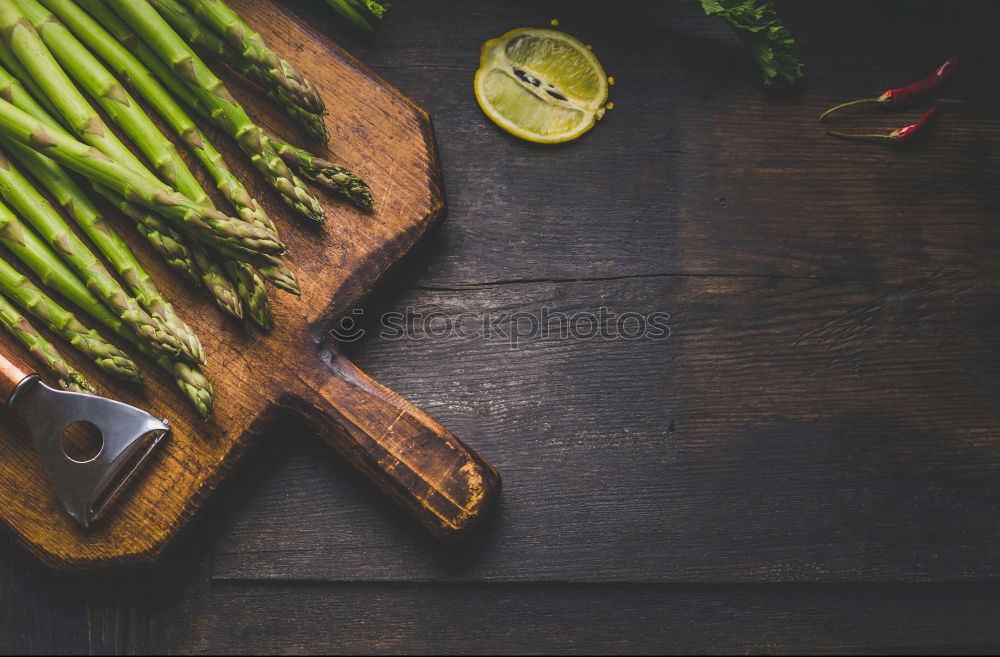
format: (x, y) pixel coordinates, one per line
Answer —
(807, 463)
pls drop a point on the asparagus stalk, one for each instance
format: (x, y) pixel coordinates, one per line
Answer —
(79, 206)
(64, 324)
(129, 68)
(90, 74)
(50, 85)
(164, 240)
(275, 271)
(30, 250)
(105, 89)
(191, 260)
(350, 12)
(209, 225)
(191, 380)
(253, 292)
(102, 85)
(212, 97)
(199, 35)
(227, 296)
(252, 47)
(323, 172)
(357, 12)
(43, 350)
(105, 162)
(35, 208)
(167, 243)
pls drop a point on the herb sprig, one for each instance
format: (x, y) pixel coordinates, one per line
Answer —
(768, 40)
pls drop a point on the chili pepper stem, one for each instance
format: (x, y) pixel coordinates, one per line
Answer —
(860, 101)
(903, 134)
(865, 137)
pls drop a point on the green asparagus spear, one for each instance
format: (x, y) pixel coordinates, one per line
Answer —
(34, 253)
(325, 173)
(253, 293)
(168, 245)
(64, 324)
(103, 87)
(309, 166)
(43, 350)
(34, 207)
(49, 84)
(92, 76)
(275, 271)
(129, 68)
(132, 180)
(199, 35)
(37, 256)
(212, 97)
(192, 382)
(209, 225)
(359, 12)
(192, 259)
(79, 206)
(174, 250)
(227, 296)
(250, 45)
(347, 10)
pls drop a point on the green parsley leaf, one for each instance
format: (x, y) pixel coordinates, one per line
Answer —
(767, 39)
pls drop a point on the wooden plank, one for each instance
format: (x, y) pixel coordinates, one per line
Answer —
(583, 620)
(788, 430)
(174, 610)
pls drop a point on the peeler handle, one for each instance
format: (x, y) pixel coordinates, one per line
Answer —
(12, 373)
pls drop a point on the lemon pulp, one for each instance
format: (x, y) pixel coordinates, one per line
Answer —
(541, 85)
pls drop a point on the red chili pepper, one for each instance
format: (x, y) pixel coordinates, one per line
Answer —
(910, 93)
(903, 134)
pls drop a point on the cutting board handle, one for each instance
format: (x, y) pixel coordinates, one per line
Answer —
(425, 469)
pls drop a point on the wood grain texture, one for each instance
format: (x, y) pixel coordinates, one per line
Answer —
(116, 613)
(806, 422)
(774, 415)
(824, 408)
(386, 139)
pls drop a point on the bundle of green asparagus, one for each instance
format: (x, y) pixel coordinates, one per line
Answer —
(64, 69)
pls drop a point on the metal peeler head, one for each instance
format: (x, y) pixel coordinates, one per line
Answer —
(129, 436)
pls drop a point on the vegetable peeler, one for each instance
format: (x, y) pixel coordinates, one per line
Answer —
(129, 436)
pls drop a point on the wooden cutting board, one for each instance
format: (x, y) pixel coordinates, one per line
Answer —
(388, 140)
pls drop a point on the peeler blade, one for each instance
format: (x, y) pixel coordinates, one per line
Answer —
(86, 489)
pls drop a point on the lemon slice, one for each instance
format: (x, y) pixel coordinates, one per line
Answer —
(541, 85)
